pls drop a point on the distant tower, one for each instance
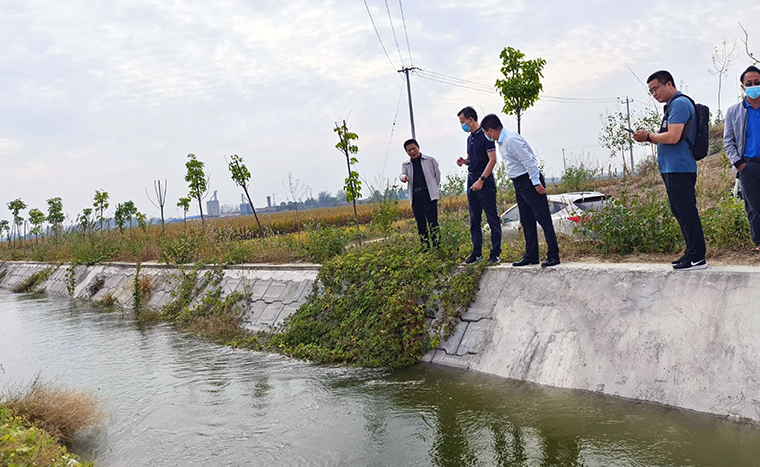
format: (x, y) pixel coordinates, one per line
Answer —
(269, 201)
(245, 207)
(212, 206)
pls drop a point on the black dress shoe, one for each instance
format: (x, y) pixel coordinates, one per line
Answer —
(524, 262)
(550, 262)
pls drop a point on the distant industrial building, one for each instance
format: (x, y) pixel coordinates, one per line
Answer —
(245, 207)
(212, 207)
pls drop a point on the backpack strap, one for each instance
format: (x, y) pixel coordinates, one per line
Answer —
(687, 125)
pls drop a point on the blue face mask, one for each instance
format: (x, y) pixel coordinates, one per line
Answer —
(489, 139)
(753, 92)
(466, 127)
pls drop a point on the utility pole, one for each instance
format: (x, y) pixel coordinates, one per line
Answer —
(406, 71)
(564, 163)
(630, 140)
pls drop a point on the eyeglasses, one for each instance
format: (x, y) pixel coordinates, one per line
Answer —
(654, 89)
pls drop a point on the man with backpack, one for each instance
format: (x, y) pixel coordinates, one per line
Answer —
(741, 138)
(676, 145)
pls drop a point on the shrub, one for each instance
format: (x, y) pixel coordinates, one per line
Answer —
(384, 214)
(321, 244)
(61, 412)
(182, 249)
(637, 224)
(726, 225)
(578, 178)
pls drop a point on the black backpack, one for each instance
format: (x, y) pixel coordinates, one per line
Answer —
(702, 121)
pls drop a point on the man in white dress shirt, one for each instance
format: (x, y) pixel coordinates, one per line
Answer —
(530, 190)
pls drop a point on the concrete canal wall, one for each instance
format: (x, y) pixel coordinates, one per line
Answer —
(275, 291)
(687, 339)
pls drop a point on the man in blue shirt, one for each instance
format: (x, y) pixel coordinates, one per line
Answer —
(481, 186)
(677, 165)
(530, 190)
(741, 138)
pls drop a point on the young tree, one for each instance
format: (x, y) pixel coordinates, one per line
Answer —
(184, 203)
(521, 83)
(84, 220)
(353, 184)
(241, 175)
(5, 226)
(614, 136)
(142, 221)
(15, 207)
(100, 203)
(36, 218)
(722, 60)
(119, 217)
(751, 56)
(197, 181)
(296, 191)
(160, 199)
(55, 214)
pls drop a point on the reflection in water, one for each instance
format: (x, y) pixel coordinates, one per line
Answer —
(177, 400)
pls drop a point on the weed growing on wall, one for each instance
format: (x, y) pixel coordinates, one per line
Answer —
(71, 279)
(373, 305)
(32, 282)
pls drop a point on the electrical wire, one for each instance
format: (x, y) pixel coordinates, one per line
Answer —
(408, 47)
(393, 127)
(394, 33)
(378, 36)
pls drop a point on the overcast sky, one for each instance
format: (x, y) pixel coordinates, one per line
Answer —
(112, 95)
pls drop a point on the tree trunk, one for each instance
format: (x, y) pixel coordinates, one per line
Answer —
(200, 208)
(245, 189)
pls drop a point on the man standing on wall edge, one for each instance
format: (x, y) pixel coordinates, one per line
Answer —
(677, 165)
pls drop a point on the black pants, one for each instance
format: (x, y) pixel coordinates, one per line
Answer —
(533, 208)
(426, 213)
(750, 178)
(683, 205)
(479, 201)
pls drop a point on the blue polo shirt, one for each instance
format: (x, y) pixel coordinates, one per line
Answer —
(752, 147)
(477, 149)
(677, 158)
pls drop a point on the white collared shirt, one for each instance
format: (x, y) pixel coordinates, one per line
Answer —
(518, 157)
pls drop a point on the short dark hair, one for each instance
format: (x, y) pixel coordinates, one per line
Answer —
(662, 77)
(491, 122)
(411, 141)
(750, 69)
(468, 112)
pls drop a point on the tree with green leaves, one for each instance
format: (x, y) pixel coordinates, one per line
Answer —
(353, 184)
(84, 219)
(241, 176)
(124, 212)
(142, 221)
(15, 207)
(184, 203)
(5, 226)
(521, 84)
(100, 203)
(197, 182)
(55, 215)
(36, 218)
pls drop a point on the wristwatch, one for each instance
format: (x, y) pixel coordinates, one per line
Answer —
(482, 178)
(648, 138)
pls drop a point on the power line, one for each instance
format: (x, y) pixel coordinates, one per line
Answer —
(393, 30)
(408, 47)
(378, 36)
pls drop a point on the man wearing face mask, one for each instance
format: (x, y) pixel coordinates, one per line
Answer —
(481, 186)
(741, 137)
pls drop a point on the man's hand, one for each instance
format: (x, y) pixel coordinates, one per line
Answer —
(540, 189)
(462, 161)
(404, 178)
(477, 186)
(640, 136)
(741, 166)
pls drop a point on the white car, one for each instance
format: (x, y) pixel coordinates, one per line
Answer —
(567, 210)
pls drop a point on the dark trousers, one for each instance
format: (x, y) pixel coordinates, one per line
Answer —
(426, 214)
(750, 178)
(534, 208)
(683, 205)
(479, 201)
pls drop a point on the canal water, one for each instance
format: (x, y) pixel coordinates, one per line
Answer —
(176, 400)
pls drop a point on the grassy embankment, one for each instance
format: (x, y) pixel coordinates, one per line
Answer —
(37, 421)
